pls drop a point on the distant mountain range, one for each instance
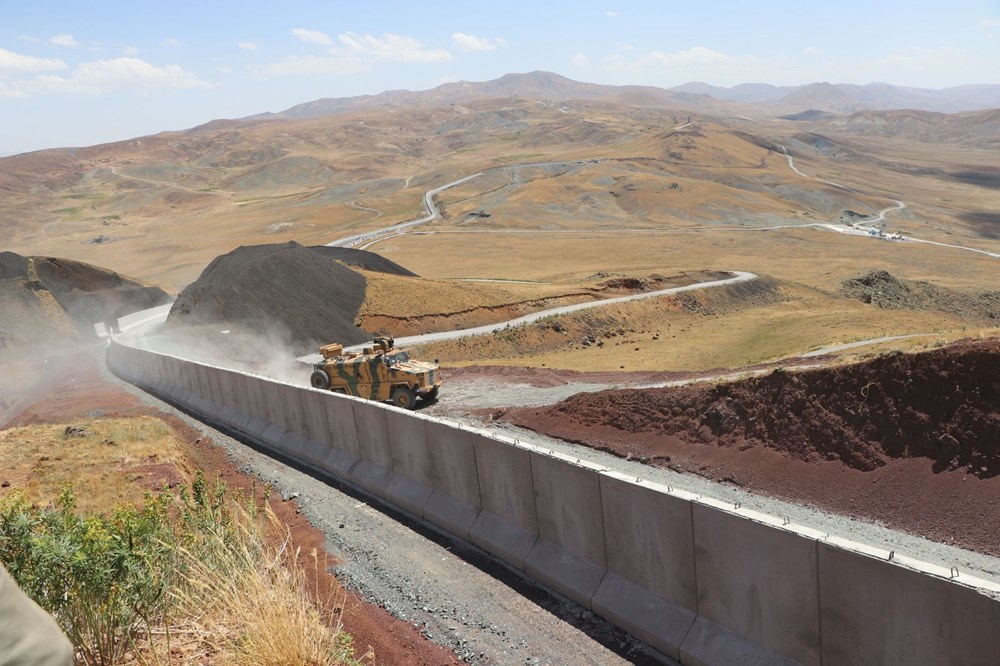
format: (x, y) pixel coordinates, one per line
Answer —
(849, 98)
(758, 100)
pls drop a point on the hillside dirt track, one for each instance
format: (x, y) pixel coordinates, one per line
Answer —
(81, 391)
(909, 440)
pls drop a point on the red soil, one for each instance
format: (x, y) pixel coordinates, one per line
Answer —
(911, 440)
(82, 392)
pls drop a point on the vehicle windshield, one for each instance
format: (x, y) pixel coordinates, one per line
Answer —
(398, 357)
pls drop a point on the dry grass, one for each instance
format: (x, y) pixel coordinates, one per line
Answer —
(109, 461)
(240, 591)
(717, 330)
(247, 602)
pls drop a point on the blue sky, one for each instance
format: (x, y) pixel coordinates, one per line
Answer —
(80, 73)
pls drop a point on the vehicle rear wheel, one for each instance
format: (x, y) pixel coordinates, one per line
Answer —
(320, 380)
(404, 397)
(431, 395)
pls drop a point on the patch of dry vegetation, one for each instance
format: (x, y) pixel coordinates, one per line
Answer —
(716, 328)
(402, 305)
(109, 461)
(191, 575)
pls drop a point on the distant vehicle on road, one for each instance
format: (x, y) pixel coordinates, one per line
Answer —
(380, 372)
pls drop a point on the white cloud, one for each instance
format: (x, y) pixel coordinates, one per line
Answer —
(312, 66)
(464, 42)
(7, 91)
(130, 50)
(171, 42)
(249, 46)
(580, 60)
(612, 13)
(16, 63)
(624, 47)
(312, 36)
(697, 55)
(990, 23)
(389, 48)
(115, 74)
(64, 40)
(810, 50)
(226, 70)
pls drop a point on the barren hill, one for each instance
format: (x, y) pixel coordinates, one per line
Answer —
(46, 299)
(303, 296)
(974, 128)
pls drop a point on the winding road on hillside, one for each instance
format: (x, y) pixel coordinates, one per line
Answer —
(738, 276)
(368, 237)
(898, 206)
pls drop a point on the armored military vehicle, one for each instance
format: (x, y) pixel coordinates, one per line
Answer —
(380, 372)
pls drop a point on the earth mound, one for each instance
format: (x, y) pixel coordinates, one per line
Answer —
(305, 296)
(942, 404)
(45, 298)
(363, 259)
(881, 289)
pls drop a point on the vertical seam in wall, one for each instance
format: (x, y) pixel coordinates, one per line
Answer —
(694, 560)
(534, 494)
(604, 531)
(819, 605)
(475, 466)
(357, 430)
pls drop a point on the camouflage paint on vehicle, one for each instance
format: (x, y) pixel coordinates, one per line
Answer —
(376, 373)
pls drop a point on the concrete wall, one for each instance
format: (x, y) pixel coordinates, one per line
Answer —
(698, 579)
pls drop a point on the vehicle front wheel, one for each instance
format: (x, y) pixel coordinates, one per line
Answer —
(320, 380)
(431, 395)
(404, 397)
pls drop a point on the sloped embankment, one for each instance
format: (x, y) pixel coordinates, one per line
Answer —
(942, 404)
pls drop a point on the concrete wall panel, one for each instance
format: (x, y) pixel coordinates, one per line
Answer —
(649, 537)
(410, 485)
(202, 386)
(876, 612)
(215, 392)
(294, 409)
(508, 525)
(643, 614)
(568, 503)
(406, 493)
(455, 503)
(373, 433)
(187, 377)
(453, 462)
(758, 581)
(408, 444)
(273, 410)
(339, 463)
(708, 644)
(329, 418)
(505, 482)
(226, 385)
(450, 514)
(371, 476)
